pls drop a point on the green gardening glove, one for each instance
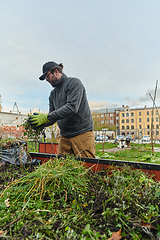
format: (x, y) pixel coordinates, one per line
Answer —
(38, 119)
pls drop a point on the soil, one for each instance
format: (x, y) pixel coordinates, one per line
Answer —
(9, 173)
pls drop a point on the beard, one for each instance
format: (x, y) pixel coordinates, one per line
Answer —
(53, 82)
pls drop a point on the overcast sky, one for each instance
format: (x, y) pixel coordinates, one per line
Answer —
(113, 46)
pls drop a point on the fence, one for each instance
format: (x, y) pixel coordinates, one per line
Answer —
(139, 133)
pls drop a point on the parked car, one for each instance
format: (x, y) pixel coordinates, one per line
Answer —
(145, 138)
(101, 138)
(130, 138)
(116, 140)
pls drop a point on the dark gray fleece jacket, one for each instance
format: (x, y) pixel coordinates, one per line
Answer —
(68, 106)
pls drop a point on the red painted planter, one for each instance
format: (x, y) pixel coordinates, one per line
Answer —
(45, 147)
(99, 164)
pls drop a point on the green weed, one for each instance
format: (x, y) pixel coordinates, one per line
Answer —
(63, 200)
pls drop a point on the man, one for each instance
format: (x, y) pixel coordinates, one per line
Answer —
(68, 106)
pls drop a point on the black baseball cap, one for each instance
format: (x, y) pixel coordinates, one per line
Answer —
(46, 67)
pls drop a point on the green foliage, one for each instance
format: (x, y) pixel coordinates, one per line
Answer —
(31, 131)
(99, 146)
(104, 155)
(137, 153)
(32, 146)
(63, 200)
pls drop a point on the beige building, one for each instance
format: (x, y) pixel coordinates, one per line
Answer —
(138, 121)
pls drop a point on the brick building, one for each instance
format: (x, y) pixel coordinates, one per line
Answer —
(107, 117)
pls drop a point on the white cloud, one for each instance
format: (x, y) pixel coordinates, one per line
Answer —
(117, 60)
(97, 105)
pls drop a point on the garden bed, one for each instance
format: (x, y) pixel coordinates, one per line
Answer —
(63, 200)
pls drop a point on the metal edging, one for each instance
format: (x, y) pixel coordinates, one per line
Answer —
(139, 165)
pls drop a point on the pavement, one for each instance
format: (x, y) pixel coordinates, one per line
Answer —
(156, 149)
(116, 149)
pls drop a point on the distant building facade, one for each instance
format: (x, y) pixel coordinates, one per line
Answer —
(10, 124)
(139, 121)
(133, 121)
(107, 117)
(11, 119)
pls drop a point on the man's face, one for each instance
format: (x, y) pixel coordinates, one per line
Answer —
(51, 78)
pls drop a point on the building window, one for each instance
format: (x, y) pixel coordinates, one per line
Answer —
(139, 113)
(127, 127)
(122, 120)
(147, 119)
(157, 133)
(111, 121)
(127, 120)
(97, 116)
(132, 127)
(139, 119)
(127, 114)
(140, 126)
(132, 120)
(122, 114)
(147, 112)
(111, 115)
(156, 119)
(102, 115)
(156, 112)
(102, 121)
(147, 126)
(122, 127)
(117, 117)
(148, 133)
(132, 114)
(157, 126)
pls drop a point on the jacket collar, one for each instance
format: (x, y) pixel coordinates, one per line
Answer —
(60, 82)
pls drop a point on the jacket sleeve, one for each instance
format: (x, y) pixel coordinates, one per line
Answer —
(74, 93)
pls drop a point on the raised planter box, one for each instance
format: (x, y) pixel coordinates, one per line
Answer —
(98, 164)
(45, 147)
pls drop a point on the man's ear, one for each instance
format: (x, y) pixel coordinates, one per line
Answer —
(56, 72)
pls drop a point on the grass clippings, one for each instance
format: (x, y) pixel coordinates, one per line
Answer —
(63, 200)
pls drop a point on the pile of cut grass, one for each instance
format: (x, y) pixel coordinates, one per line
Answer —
(63, 200)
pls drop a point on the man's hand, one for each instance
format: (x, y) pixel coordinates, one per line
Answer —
(38, 119)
